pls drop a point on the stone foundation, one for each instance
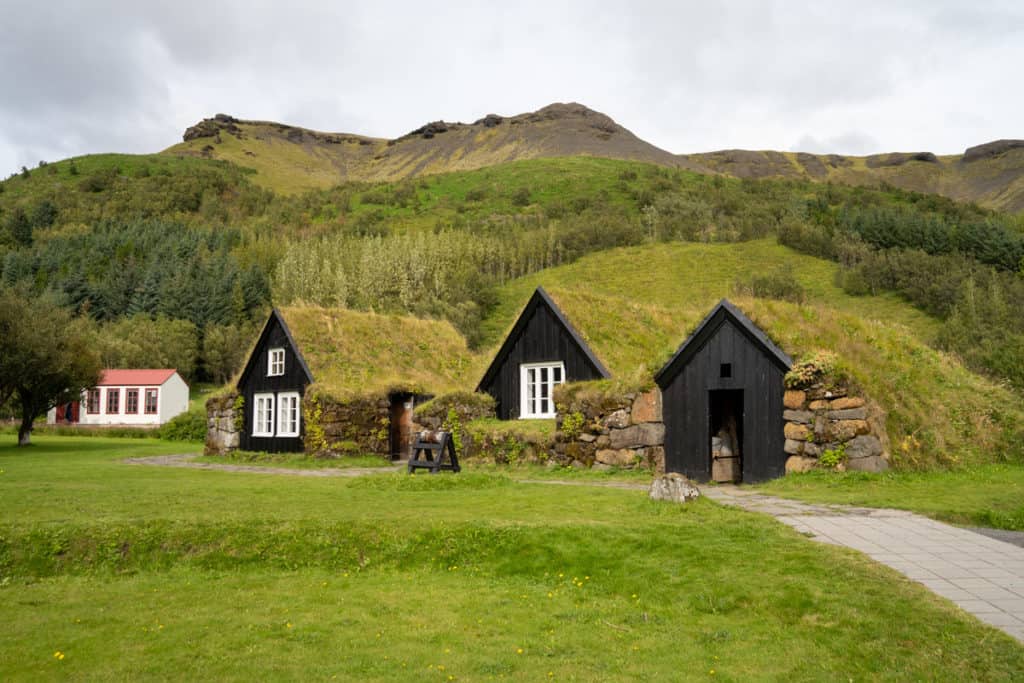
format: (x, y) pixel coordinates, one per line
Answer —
(822, 421)
(356, 426)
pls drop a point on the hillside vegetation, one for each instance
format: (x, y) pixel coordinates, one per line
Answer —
(636, 305)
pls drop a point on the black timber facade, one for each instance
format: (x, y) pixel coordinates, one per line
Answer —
(255, 379)
(726, 357)
(541, 334)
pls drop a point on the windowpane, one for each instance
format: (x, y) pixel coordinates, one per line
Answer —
(113, 401)
(131, 401)
(151, 401)
(538, 384)
(557, 373)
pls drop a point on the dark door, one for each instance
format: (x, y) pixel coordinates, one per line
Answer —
(725, 434)
(401, 426)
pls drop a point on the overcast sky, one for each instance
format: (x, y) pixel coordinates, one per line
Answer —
(818, 76)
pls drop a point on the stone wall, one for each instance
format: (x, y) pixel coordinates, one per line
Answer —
(830, 421)
(222, 431)
(606, 431)
(353, 426)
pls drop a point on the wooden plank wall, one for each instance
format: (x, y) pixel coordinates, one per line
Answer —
(293, 379)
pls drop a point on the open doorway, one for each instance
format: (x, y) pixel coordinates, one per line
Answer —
(401, 425)
(726, 434)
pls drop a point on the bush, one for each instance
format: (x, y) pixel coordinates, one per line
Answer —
(189, 426)
(780, 284)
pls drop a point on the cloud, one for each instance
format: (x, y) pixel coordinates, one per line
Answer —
(865, 76)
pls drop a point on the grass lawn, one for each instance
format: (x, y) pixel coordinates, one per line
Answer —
(299, 461)
(134, 571)
(985, 495)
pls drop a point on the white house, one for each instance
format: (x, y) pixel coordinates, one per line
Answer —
(127, 397)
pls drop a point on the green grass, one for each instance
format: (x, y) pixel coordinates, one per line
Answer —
(294, 460)
(234, 576)
(988, 496)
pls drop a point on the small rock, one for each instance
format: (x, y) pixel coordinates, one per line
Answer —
(793, 399)
(874, 463)
(617, 458)
(865, 446)
(797, 432)
(617, 420)
(799, 463)
(793, 447)
(850, 414)
(847, 402)
(587, 438)
(820, 404)
(673, 487)
(844, 430)
(646, 434)
(801, 416)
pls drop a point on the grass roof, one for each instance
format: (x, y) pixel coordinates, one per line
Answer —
(355, 353)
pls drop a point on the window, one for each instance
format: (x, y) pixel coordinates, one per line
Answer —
(275, 363)
(537, 384)
(113, 401)
(725, 370)
(263, 415)
(151, 401)
(92, 402)
(288, 414)
(131, 401)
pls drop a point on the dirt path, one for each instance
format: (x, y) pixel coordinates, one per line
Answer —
(186, 460)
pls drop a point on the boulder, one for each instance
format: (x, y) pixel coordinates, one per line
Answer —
(849, 414)
(799, 463)
(616, 458)
(647, 407)
(847, 402)
(793, 447)
(793, 399)
(865, 446)
(673, 487)
(797, 432)
(646, 434)
(617, 420)
(802, 416)
(844, 430)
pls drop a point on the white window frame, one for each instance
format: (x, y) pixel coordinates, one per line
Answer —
(262, 422)
(288, 401)
(530, 407)
(275, 362)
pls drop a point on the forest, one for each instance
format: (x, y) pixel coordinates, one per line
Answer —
(155, 247)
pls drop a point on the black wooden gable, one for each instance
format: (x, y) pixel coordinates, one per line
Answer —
(274, 332)
(540, 334)
(724, 312)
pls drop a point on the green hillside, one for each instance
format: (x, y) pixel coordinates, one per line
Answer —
(636, 305)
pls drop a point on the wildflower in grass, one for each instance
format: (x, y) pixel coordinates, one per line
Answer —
(58, 655)
(519, 651)
(288, 625)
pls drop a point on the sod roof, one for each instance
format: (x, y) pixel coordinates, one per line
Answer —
(355, 353)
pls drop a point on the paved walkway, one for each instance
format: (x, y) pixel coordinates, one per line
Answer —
(983, 575)
(186, 460)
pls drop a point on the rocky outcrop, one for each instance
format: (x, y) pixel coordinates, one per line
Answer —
(899, 158)
(209, 128)
(990, 150)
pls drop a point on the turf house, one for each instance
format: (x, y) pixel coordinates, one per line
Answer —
(335, 381)
(542, 351)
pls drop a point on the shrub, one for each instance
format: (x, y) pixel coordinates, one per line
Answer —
(778, 284)
(819, 366)
(189, 426)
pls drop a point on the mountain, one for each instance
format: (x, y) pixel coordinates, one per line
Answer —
(291, 159)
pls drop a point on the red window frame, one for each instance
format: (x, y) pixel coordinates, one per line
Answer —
(92, 402)
(155, 393)
(131, 401)
(116, 395)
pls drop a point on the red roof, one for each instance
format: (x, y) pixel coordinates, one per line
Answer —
(149, 378)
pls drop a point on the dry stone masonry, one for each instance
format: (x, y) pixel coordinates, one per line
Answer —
(828, 426)
(222, 431)
(622, 431)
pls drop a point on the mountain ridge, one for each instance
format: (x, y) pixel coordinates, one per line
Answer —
(292, 159)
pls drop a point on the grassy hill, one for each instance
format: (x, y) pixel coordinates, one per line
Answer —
(290, 160)
(636, 305)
